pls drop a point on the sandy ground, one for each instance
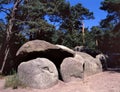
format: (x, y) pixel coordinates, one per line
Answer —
(103, 82)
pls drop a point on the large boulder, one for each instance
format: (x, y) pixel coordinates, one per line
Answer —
(91, 65)
(35, 46)
(72, 68)
(91, 68)
(40, 48)
(38, 73)
(79, 66)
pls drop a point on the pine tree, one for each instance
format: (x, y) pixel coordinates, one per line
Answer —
(111, 26)
(5, 49)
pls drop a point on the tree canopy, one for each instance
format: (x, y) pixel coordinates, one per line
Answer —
(110, 26)
(113, 9)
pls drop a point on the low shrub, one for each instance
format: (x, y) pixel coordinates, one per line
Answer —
(13, 81)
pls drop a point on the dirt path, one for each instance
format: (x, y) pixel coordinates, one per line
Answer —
(103, 82)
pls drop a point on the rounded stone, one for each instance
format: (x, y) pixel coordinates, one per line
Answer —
(72, 68)
(38, 73)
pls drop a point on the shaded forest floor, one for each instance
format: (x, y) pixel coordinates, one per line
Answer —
(108, 81)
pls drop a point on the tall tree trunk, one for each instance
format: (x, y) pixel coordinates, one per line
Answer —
(96, 43)
(83, 33)
(9, 32)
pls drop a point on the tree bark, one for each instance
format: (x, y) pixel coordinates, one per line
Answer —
(9, 32)
(83, 33)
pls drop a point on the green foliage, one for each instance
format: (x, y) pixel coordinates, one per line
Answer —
(73, 20)
(112, 7)
(58, 11)
(72, 24)
(72, 40)
(2, 32)
(109, 42)
(13, 82)
(32, 15)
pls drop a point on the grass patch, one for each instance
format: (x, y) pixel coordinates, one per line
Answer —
(1, 76)
(13, 81)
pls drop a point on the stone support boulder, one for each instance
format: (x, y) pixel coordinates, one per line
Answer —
(38, 73)
(91, 64)
(72, 68)
(79, 66)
